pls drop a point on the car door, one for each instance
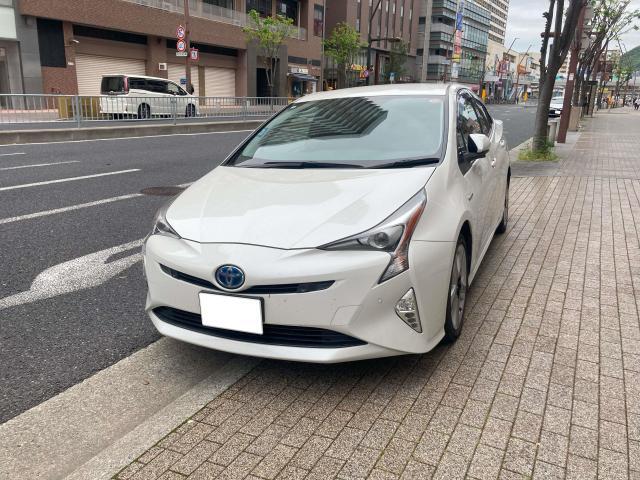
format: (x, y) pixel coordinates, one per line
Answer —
(179, 97)
(476, 171)
(496, 189)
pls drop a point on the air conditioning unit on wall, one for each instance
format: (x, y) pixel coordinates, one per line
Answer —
(162, 67)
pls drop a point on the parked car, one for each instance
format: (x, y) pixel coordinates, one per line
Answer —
(555, 107)
(144, 97)
(349, 226)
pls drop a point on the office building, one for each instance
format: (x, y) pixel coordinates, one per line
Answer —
(81, 40)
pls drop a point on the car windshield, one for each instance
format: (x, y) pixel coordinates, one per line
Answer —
(557, 99)
(350, 132)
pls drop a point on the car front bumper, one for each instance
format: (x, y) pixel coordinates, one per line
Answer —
(354, 306)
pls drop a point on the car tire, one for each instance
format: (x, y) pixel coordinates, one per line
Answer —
(144, 111)
(502, 226)
(191, 110)
(457, 292)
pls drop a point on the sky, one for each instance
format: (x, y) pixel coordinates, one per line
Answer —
(525, 23)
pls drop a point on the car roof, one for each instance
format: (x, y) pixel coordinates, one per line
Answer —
(137, 76)
(421, 89)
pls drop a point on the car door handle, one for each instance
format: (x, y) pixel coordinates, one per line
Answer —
(470, 196)
(493, 162)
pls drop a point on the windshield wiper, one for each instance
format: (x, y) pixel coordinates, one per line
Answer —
(413, 162)
(302, 165)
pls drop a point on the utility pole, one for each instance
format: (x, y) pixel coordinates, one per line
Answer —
(187, 39)
(370, 38)
(568, 90)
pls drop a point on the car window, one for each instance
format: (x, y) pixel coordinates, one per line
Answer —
(157, 86)
(486, 122)
(353, 130)
(112, 85)
(468, 121)
(138, 83)
(173, 89)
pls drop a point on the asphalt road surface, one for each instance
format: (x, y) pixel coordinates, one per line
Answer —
(72, 218)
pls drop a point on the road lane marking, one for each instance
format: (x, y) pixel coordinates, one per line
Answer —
(39, 165)
(80, 273)
(8, 154)
(68, 179)
(45, 213)
(127, 138)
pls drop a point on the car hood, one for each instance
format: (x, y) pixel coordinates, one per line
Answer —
(290, 208)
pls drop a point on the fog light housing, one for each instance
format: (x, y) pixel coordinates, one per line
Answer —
(407, 310)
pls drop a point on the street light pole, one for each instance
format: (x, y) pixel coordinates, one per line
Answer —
(324, 14)
(370, 39)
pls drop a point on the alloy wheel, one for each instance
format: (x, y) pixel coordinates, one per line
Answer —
(458, 286)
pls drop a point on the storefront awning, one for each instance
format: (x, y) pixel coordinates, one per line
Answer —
(304, 77)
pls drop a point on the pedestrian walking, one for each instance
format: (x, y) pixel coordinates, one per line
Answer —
(636, 103)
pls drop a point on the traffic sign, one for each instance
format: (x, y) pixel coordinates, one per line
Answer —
(194, 54)
(180, 33)
(181, 54)
(181, 45)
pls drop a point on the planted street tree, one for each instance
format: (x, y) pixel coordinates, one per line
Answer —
(270, 34)
(343, 45)
(611, 19)
(552, 58)
(398, 59)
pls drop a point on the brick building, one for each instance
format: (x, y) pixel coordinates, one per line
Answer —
(393, 20)
(79, 41)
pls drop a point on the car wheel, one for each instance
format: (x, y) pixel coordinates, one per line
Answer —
(191, 110)
(502, 226)
(144, 111)
(457, 292)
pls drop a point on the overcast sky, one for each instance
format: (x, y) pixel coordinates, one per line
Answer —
(525, 23)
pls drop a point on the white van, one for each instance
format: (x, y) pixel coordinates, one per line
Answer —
(144, 97)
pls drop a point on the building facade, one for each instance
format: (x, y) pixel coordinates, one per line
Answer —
(19, 53)
(436, 33)
(392, 21)
(499, 12)
(80, 41)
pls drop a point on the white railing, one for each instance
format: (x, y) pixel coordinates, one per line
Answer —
(52, 109)
(200, 9)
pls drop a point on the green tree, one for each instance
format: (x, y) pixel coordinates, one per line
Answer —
(270, 34)
(342, 46)
(397, 60)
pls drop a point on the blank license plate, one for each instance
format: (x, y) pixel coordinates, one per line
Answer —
(231, 313)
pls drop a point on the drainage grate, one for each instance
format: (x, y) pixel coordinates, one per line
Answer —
(162, 191)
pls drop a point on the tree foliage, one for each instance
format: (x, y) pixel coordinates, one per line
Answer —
(398, 59)
(342, 46)
(270, 34)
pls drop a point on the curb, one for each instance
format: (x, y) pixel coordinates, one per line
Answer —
(121, 131)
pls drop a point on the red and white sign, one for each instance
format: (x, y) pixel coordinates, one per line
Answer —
(195, 54)
(180, 33)
(181, 45)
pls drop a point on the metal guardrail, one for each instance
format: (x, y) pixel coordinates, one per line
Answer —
(78, 109)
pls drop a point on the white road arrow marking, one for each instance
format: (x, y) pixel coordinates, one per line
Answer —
(80, 273)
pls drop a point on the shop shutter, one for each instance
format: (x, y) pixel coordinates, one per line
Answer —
(91, 68)
(219, 82)
(177, 71)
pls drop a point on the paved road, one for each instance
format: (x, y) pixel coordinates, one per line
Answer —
(63, 316)
(518, 121)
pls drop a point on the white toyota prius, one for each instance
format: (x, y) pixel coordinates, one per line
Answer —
(349, 226)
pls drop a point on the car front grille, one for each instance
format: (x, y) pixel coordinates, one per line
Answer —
(256, 289)
(282, 335)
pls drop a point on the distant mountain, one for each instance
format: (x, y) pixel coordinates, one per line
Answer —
(634, 56)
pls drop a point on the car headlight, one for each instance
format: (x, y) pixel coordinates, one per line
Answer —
(392, 236)
(160, 224)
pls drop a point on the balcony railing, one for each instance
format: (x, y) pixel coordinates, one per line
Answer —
(200, 9)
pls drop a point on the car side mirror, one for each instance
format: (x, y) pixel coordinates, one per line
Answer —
(479, 143)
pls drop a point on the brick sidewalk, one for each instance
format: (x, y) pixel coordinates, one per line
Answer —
(544, 381)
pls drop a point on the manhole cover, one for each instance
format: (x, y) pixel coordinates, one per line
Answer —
(162, 191)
